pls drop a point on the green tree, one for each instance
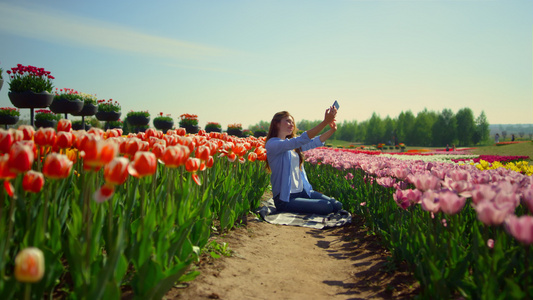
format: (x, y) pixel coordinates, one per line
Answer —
(261, 125)
(422, 130)
(444, 130)
(482, 131)
(388, 132)
(375, 130)
(347, 131)
(404, 127)
(465, 126)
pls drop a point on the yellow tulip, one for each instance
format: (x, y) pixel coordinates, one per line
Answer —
(29, 265)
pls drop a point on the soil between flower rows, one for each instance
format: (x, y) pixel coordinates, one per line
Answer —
(289, 262)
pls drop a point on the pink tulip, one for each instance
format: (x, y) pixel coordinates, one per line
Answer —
(430, 201)
(450, 203)
(425, 182)
(386, 181)
(406, 198)
(492, 213)
(527, 196)
(483, 192)
(521, 228)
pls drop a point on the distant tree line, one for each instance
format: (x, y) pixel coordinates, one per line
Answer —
(427, 128)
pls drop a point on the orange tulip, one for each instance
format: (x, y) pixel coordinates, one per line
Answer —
(252, 156)
(33, 181)
(144, 164)
(175, 156)
(116, 171)
(57, 166)
(45, 136)
(6, 140)
(21, 158)
(64, 125)
(97, 152)
(29, 265)
(181, 131)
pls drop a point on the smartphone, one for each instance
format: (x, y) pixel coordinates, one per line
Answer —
(336, 104)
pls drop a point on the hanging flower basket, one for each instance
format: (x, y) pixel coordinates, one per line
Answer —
(29, 99)
(107, 115)
(8, 120)
(66, 106)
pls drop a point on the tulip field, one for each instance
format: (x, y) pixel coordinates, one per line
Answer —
(89, 215)
(96, 214)
(464, 229)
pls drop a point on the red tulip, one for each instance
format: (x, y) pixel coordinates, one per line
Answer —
(27, 132)
(45, 136)
(20, 158)
(6, 140)
(131, 146)
(5, 173)
(33, 181)
(144, 164)
(64, 139)
(193, 165)
(57, 166)
(116, 171)
(104, 193)
(181, 131)
(64, 125)
(158, 149)
(252, 156)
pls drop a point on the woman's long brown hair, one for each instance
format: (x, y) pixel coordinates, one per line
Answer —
(273, 131)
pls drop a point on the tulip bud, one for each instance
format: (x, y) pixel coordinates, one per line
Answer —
(29, 265)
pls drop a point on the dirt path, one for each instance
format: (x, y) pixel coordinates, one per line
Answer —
(289, 262)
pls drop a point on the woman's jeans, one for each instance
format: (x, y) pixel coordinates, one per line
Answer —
(317, 203)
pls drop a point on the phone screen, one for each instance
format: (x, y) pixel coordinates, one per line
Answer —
(336, 104)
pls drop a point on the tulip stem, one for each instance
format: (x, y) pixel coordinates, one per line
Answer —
(27, 291)
(5, 245)
(526, 281)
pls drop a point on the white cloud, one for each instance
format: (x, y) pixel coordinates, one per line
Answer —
(76, 30)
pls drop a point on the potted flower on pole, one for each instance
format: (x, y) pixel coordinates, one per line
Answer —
(138, 120)
(46, 118)
(163, 123)
(108, 110)
(66, 101)
(189, 122)
(1, 79)
(30, 87)
(9, 116)
(213, 127)
(89, 108)
(235, 129)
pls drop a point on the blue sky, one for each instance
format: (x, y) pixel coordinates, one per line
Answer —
(243, 61)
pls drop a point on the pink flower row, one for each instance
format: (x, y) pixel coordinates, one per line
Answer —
(445, 187)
